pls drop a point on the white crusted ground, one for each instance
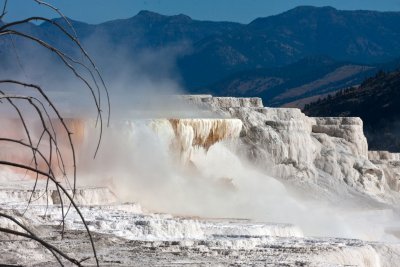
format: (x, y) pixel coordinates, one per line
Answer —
(126, 235)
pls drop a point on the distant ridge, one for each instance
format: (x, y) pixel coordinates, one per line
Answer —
(291, 84)
(215, 51)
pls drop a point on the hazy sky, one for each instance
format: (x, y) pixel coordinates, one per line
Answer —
(95, 11)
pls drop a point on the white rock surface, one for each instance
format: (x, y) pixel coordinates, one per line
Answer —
(125, 235)
(18, 191)
(330, 153)
(389, 163)
(192, 133)
(347, 128)
(216, 103)
(383, 155)
(279, 140)
(326, 157)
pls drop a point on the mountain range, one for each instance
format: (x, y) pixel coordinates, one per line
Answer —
(287, 59)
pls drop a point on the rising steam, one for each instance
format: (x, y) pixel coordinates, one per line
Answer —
(186, 165)
(142, 162)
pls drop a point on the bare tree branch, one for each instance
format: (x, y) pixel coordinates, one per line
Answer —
(72, 38)
(48, 133)
(4, 12)
(17, 165)
(59, 13)
(43, 243)
(49, 246)
(79, 76)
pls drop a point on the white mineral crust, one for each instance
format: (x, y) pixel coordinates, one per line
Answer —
(327, 158)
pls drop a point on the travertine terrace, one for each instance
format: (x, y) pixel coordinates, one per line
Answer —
(322, 158)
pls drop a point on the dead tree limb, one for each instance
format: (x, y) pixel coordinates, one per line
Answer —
(48, 133)
(4, 12)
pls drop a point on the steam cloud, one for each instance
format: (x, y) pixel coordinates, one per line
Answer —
(139, 165)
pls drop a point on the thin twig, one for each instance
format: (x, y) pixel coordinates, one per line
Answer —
(76, 41)
(4, 12)
(46, 121)
(60, 118)
(42, 242)
(59, 13)
(17, 165)
(39, 112)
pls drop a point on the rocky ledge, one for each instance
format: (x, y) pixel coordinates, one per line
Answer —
(329, 154)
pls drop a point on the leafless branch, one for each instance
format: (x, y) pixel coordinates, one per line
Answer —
(72, 38)
(59, 13)
(65, 192)
(4, 12)
(64, 59)
(48, 132)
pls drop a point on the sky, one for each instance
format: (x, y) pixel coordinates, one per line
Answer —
(243, 11)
